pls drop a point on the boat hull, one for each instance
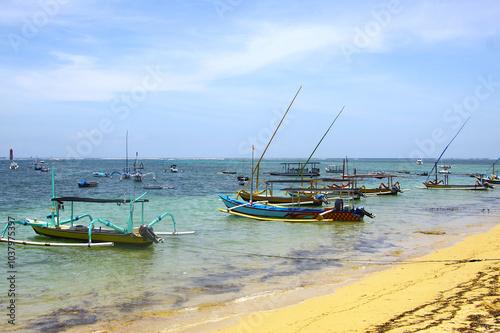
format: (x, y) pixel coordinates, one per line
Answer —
(490, 180)
(378, 191)
(99, 235)
(455, 187)
(278, 213)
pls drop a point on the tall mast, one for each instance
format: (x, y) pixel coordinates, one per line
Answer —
(333, 122)
(126, 151)
(258, 163)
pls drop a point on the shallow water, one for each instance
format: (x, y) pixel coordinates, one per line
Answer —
(229, 258)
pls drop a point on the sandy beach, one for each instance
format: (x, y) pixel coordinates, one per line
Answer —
(454, 289)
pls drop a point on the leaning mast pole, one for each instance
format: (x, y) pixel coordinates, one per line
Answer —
(258, 163)
(333, 122)
(437, 161)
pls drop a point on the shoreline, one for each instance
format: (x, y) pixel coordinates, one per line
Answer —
(455, 288)
(375, 288)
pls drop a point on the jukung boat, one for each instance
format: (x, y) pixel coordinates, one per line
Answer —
(351, 182)
(261, 211)
(85, 183)
(38, 165)
(297, 169)
(56, 227)
(307, 194)
(443, 184)
(225, 172)
(269, 195)
(491, 179)
(333, 168)
(157, 187)
(101, 174)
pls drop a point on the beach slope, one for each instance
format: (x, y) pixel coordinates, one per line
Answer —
(455, 289)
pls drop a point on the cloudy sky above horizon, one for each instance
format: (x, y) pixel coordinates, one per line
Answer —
(211, 78)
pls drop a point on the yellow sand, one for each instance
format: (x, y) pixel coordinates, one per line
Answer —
(446, 291)
(431, 294)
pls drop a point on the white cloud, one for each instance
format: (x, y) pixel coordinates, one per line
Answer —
(270, 45)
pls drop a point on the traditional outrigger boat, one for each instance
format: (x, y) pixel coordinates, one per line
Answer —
(333, 168)
(101, 174)
(157, 187)
(443, 184)
(351, 182)
(260, 211)
(142, 235)
(491, 179)
(297, 169)
(307, 194)
(270, 195)
(85, 183)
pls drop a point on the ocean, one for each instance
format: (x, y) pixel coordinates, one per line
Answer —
(230, 261)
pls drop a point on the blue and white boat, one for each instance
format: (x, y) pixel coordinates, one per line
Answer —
(261, 211)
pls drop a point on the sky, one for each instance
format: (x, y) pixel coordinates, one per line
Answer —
(212, 78)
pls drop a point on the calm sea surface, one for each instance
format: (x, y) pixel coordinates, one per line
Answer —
(229, 259)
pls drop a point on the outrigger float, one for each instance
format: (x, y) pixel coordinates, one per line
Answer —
(142, 235)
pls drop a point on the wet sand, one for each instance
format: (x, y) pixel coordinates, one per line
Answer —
(454, 289)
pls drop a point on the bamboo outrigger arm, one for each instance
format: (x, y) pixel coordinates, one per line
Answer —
(175, 232)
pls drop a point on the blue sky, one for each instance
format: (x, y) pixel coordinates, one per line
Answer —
(211, 78)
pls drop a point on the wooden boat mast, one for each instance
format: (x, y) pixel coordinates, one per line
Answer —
(324, 135)
(258, 163)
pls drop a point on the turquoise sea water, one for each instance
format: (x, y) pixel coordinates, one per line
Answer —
(229, 259)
